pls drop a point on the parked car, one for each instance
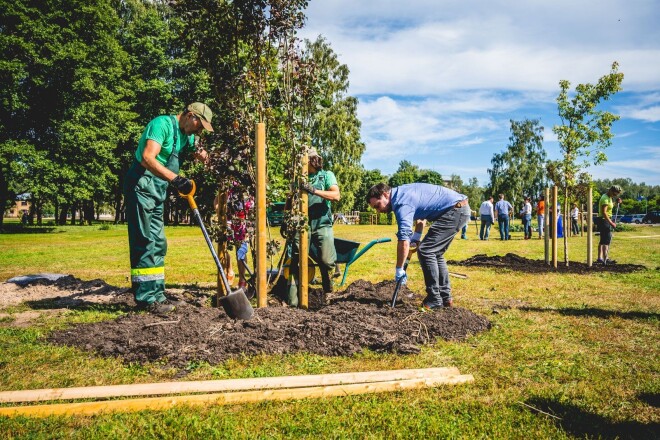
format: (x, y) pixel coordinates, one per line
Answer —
(632, 218)
(652, 217)
(275, 213)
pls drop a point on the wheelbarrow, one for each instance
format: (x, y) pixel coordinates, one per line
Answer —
(347, 253)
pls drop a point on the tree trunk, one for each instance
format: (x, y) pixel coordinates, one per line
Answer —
(566, 220)
(38, 209)
(89, 211)
(74, 205)
(56, 205)
(63, 212)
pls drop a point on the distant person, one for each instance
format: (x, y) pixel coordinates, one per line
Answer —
(464, 232)
(575, 215)
(447, 209)
(156, 163)
(526, 214)
(503, 210)
(25, 218)
(605, 223)
(540, 215)
(487, 217)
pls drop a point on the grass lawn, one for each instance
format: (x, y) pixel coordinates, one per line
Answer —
(569, 356)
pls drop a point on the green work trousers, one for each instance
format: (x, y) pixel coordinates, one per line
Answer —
(324, 240)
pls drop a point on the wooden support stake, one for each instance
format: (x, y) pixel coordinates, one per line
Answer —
(555, 221)
(303, 248)
(221, 211)
(162, 403)
(211, 386)
(590, 225)
(546, 226)
(262, 232)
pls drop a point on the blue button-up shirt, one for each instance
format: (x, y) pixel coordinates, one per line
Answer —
(420, 201)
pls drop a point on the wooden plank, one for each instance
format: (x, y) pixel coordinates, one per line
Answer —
(231, 398)
(209, 386)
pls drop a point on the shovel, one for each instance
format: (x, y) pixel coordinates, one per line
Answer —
(236, 304)
(411, 251)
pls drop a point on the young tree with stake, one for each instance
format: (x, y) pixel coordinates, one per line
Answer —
(585, 132)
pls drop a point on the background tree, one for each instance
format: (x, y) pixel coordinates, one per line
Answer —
(335, 130)
(369, 179)
(406, 173)
(519, 171)
(584, 134)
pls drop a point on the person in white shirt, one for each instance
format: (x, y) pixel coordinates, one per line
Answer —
(487, 218)
(575, 215)
(526, 214)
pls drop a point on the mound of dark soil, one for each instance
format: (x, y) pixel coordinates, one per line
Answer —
(356, 318)
(516, 262)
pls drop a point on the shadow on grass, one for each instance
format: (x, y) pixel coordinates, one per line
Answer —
(20, 229)
(580, 423)
(652, 399)
(594, 313)
(80, 305)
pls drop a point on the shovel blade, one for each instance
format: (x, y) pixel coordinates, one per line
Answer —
(237, 306)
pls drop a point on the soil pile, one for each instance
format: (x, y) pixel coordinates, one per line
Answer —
(516, 262)
(357, 318)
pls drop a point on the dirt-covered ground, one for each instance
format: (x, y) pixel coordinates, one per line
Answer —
(522, 264)
(356, 318)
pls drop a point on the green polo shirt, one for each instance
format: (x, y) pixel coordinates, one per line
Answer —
(161, 130)
(605, 200)
(320, 214)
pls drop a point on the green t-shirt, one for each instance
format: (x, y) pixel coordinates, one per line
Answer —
(161, 130)
(320, 214)
(605, 200)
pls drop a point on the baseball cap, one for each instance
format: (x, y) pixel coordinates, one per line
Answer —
(616, 188)
(312, 152)
(203, 112)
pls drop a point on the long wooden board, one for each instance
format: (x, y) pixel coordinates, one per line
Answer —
(210, 386)
(162, 403)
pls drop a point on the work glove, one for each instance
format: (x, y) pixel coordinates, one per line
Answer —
(307, 187)
(242, 251)
(416, 238)
(400, 275)
(183, 185)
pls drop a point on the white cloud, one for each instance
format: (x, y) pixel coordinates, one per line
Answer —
(438, 80)
(430, 47)
(637, 168)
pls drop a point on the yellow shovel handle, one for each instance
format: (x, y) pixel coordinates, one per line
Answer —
(189, 196)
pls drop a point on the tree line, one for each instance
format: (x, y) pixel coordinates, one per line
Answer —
(82, 78)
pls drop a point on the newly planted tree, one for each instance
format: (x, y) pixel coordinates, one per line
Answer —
(584, 134)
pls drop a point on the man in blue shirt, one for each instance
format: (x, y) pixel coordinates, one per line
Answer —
(502, 211)
(447, 209)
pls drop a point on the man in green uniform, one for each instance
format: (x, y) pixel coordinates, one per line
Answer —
(605, 224)
(322, 189)
(155, 166)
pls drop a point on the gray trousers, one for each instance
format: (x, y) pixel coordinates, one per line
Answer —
(432, 250)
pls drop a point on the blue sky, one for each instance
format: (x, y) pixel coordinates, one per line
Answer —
(438, 81)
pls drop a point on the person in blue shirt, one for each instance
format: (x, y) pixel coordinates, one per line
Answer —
(447, 209)
(502, 211)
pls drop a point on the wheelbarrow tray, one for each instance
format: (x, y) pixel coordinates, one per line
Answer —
(347, 252)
